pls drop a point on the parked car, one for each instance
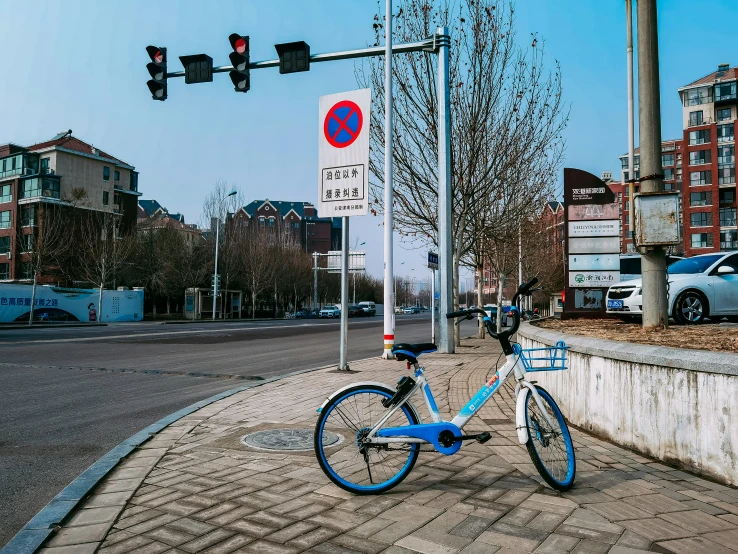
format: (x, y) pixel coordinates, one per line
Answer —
(369, 308)
(399, 309)
(630, 265)
(699, 287)
(491, 311)
(302, 314)
(330, 311)
(355, 311)
(411, 310)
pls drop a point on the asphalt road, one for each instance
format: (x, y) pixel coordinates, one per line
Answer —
(69, 395)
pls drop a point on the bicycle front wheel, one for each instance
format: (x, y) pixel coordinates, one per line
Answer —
(357, 467)
(551, 449)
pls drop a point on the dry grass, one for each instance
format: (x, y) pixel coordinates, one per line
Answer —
(713, 337)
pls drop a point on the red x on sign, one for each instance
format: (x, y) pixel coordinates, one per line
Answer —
(343, 124)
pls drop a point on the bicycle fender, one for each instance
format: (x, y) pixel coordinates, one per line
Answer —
(375, 383)
(520, 424)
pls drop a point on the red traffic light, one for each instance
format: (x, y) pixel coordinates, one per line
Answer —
(158, 57)
(240, 45)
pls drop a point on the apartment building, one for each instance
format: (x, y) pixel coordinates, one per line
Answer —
(64, 171)
(316, 234)
(152, 216)
(709, 121)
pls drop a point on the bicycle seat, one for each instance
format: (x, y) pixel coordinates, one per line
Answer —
(410, 352)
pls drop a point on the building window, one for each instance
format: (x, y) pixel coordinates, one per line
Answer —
(723, 114)
(5, 193)
(695, 118)
(624, 163)
(728, 241)
(668, 187)
(134, 181)
(725, 91)
(32, 188)
(27, 243)
(725, 133)
(45, 165)
(726, 174)
(106, 173)
(627, 206)
(4, 245)
(669, 174)
(700, 178)
(5, 220)
(697, 96)
(262, 221)
(727, 217)
(667, 159)
(26, 270)
(4, 271)
(28, 216)
(271, 222)
(700, 157)
(106, 198)
(297, 224)
(700, 199)
(116, 175)
(726, 154)
(701, 219)
(701, 240)
(727, 196)
(698, 137)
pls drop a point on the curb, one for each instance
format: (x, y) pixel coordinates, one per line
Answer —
(29, 539)
(51, 325)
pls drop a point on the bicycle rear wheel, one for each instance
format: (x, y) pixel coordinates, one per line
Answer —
(359, 468)
(551, 449)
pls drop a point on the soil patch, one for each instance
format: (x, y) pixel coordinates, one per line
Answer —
(714, 337)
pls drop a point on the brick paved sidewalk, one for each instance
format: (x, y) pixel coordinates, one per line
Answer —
(196, 488)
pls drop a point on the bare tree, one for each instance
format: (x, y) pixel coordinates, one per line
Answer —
(254, 258)
(43, 239)
(507, 116)
(103, 251)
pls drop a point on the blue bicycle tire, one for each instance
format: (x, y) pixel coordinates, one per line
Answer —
(342, 476)
(544, 441)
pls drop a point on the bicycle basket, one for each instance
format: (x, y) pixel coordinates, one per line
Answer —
(549, 358)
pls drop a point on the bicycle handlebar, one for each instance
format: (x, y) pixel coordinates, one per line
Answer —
(523, 290)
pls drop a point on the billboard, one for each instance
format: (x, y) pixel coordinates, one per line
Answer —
(61, 304)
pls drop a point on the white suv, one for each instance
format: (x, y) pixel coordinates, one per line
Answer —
(330, 311)
(699, 287)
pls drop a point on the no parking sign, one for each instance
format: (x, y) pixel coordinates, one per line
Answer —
(343, 153)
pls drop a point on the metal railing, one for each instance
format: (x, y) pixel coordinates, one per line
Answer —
(697, 100)
(696, 122)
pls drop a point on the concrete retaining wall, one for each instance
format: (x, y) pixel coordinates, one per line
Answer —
(678, 405)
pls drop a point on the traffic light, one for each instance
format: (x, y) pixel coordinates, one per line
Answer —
(198, 68)
(240, 61)
(293, 56)
(158, 71)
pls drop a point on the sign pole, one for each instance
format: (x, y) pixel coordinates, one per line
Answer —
(433, 306)
(447, 345)
(389, 297)
(343, 365)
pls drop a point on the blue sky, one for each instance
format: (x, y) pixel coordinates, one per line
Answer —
(80, 64)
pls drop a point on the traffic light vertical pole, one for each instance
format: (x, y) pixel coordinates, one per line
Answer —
(445, 262)
(215, 277)
(389, 297)
(344, 291)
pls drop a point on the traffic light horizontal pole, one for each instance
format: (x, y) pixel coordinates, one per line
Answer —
(431, 44)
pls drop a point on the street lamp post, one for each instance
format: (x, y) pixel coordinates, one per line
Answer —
(217, 241)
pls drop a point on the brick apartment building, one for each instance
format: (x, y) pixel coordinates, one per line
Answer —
(59, 171)
(152, 215)
(316, 234)
(700, 166)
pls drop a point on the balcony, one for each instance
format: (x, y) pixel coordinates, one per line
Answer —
(696, 122)
(697, 100)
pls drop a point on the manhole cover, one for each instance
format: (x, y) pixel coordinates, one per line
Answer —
(288, 439)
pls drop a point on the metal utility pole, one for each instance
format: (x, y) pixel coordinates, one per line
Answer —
(631, 115)
(653, 265)
(433, 306)
(445, 252)
(342, 364)
(315, 281)
(389, 297)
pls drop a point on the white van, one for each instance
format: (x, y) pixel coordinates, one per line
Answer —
(369, 308)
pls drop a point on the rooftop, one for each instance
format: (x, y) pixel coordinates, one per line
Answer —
(719, 76)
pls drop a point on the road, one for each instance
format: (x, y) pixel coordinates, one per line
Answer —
(68, 395)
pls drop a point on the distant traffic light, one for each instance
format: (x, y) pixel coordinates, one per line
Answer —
(158, 71)
(293, 56)
(240, 61)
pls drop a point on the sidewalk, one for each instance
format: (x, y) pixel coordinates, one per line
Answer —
(195, 487)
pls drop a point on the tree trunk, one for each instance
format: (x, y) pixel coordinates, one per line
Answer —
(153, 302)
(99, 304)
(253, 305)
(499, 302)
(169, 312)
(455, 303)
(33, 297)
(480, 302)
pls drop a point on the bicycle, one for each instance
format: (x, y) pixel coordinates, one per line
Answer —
(383, 430)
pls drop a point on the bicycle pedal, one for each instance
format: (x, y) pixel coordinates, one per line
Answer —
(483, 437)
